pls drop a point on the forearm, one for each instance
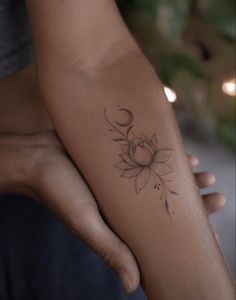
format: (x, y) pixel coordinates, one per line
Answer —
(179, 250)
(78, 36)
(178, 255)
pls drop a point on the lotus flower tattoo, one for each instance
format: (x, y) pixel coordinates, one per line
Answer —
(141, 158)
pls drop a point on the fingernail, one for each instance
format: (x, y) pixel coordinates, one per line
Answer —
(126, 281)
(212, 179)
(195, 161)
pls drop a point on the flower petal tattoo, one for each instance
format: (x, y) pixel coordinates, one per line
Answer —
(142, 158)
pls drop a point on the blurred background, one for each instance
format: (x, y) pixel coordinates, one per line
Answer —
(191, 44)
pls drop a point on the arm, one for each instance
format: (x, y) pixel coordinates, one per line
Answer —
(88, 62)
(31, 163)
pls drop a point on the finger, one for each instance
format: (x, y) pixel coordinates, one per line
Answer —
(205, 179)
(75, 206)
(93, 230)
(214, 202)
(193, 160)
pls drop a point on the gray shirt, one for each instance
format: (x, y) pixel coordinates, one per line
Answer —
(15, 37)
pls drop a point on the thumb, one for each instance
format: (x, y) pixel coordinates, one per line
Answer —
(91, 228)
(73, 203)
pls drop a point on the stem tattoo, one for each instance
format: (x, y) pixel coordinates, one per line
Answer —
(141, 158)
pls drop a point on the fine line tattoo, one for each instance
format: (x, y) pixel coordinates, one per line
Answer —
(141, 158)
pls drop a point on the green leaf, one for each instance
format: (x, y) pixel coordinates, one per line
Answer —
(170, 64)
(171, 18)
(221, 14)
(147, 6)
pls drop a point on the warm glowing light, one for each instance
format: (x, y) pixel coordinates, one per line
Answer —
(170, 94)
(229, 87)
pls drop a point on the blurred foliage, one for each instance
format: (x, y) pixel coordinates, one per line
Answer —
(171, 64)
(221, 14)
(191, 43)
(227, 132)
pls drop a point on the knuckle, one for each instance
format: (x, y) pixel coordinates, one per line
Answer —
(80, 218)
(117, 254)
(107, 258)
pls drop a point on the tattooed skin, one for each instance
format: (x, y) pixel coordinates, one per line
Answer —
(141, 158)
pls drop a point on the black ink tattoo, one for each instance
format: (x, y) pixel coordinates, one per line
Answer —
(142, 158)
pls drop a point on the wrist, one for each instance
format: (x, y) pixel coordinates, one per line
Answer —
(126, 76)
(87, 68)
(16, 164)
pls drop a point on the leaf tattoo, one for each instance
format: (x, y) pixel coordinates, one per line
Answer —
(141, 158)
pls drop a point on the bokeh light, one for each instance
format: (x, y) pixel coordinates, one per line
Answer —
(170, 94)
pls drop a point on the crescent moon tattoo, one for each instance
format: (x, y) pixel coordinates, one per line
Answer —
(130, 118)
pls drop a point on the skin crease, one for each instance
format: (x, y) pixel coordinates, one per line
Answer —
(42, 156)
(189, 264)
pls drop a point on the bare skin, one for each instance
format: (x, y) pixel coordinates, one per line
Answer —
(29, 161)
(88, 63)
(44, 166)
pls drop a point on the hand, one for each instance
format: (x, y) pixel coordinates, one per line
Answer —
(213, 202)
(37, 165)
